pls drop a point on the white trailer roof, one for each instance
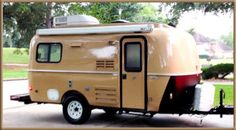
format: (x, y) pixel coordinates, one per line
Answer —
(97, 29)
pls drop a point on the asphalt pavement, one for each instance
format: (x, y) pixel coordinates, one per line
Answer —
(18, 115)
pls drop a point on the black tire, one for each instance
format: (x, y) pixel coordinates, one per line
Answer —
(76, 110)
(110, 111)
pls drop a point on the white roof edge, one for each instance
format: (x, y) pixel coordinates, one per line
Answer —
(97, 30)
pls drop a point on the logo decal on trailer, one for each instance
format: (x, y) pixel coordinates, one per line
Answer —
(105, 52)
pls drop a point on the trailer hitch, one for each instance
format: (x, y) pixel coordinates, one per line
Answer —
(22, 98)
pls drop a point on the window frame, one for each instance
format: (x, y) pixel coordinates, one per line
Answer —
(49, 52)
(132, 69)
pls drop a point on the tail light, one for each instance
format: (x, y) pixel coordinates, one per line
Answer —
(30, 88)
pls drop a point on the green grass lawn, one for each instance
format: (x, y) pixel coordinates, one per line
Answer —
(14, 72)
(229, 98)
(10, 58)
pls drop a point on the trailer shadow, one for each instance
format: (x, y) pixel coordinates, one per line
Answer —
(125, 120)
(56, 118)
(98, 119)
(101, 120)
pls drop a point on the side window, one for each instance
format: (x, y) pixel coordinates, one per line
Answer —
(133, 57)
(55, 53)
(49, 53)
(42, 53)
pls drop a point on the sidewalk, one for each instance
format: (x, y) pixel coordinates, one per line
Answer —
(14, 79)
(219, 82)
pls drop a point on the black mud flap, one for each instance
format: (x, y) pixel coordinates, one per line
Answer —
(22, 98)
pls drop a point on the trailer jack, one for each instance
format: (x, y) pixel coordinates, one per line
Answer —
(223, 109)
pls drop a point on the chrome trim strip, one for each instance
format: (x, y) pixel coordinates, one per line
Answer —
(108, 72)
(75, 71)
(171, 74)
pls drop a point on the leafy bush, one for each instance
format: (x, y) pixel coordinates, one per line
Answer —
(218, 71)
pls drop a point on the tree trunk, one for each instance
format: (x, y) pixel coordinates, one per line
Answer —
(49, 15)
(223, 76)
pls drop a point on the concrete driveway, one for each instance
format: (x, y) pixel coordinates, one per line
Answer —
(18, 115)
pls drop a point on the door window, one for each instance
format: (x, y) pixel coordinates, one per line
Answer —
(133, 57)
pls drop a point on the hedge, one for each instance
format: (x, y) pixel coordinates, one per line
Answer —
(218, 71)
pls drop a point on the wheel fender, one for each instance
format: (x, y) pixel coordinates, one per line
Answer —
(73, 93)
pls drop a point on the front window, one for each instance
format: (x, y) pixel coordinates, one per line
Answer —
(49, 52)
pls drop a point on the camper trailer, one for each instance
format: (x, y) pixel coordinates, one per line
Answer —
(144, 68)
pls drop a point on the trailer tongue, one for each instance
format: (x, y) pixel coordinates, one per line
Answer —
(22, 98)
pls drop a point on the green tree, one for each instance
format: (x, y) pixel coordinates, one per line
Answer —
(228, 39)
(106, 12)
(177, 8)
(149, 13)
(22, 19)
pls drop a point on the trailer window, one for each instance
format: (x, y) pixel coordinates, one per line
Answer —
(133, 57)
(49, 52)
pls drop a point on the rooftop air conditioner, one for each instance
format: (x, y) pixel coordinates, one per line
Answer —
(74, 20)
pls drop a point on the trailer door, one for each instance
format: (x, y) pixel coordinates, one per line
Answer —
(133, 69)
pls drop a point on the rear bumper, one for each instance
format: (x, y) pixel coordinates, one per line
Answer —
(22, 98)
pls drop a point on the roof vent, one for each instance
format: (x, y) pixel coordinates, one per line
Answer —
(74, 20)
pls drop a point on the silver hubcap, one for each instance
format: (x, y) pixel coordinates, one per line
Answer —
(75, 110)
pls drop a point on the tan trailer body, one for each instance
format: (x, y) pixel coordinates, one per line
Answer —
(93, 65)
(129, 68)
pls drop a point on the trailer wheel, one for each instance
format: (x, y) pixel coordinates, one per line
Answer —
(110, 111)
(76, 110)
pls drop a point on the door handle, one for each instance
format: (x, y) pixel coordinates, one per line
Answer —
(124, 76)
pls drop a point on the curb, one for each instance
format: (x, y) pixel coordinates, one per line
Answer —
(15, 79)
(23, 65)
